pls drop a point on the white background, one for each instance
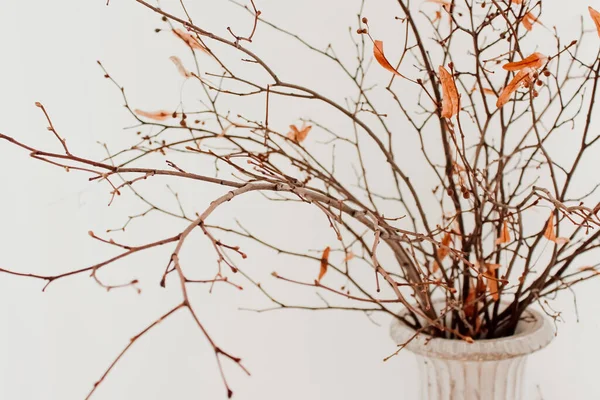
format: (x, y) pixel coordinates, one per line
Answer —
(54, 345)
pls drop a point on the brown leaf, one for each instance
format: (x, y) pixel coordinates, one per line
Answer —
(535, 61)
(504, 234)
(160, 115)
(381, 59)
(324, 263)
(522, 77)
(298, 135)
(190, 40)
(449, 93)
(550, 234)
(596, 17)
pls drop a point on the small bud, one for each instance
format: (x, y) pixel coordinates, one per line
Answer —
(546, 72)
(365, 20)
(539, 83)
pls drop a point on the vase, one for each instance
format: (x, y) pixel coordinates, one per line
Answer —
(488, 369)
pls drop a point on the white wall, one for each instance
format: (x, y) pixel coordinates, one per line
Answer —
(54, 345)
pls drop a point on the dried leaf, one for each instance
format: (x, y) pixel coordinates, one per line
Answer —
(349, 255)
(324, 263)
(298, 135)
(380, 57)
(444, 3)
(517, 1)
(485, 90)
(520, 78)
(528, 21)
(596, 17)
(492, 282)
(504, 234)
(550, 234)
(450, 98)
(534, 61)
(469, 302)
(180, 67)
(591, 269)
(190, 40)
(442, 252)
(160, 115)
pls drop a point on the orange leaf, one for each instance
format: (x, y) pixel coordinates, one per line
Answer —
(349, 255)
(520, 78)
(535, 61)
(517, 1)
(596, 17)
(160, 115)
(504, 234)
(528, 21)
(485, 90)
(449, 93)
(550, 234)
(190, 40)
(324, 263)
(444, 3)
(180, 67)
(380, 57)
(442, 252)
(298, 135)
(469, 303)
(590, 269)
(492, 283)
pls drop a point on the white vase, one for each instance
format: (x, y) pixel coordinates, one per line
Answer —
(484, 370)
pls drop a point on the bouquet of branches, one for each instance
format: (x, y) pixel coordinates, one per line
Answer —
(453, 172)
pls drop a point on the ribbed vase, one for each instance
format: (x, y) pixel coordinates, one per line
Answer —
(484, 370)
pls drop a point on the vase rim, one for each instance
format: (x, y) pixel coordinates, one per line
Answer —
(534, 332)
